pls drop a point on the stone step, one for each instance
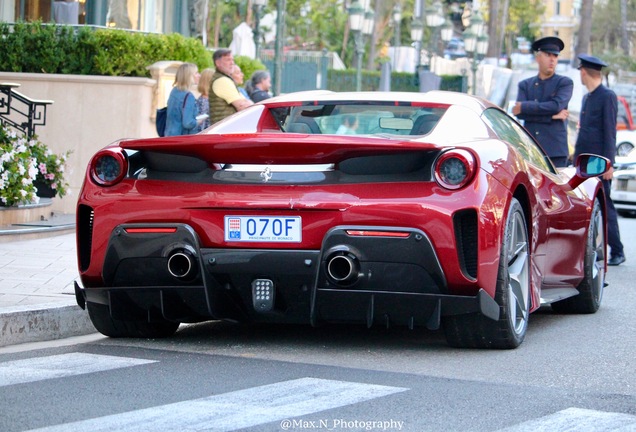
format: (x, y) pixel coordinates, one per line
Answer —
(33, 221)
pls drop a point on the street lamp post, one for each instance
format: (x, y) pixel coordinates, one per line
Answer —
(356, 22)
(397, 18)
(277, 81)
(361, 21)
(416, 36)
(258, 9)
(434, 19)
(447, 32)
(475, 42)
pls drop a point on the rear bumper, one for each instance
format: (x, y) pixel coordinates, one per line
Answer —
(383, 280)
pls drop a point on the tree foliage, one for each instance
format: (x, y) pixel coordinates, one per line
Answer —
(606, 31)
(522, 20)
(524, 17)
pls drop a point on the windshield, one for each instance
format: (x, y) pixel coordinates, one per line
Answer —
(359, 119)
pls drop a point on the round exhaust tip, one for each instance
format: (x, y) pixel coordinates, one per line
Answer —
(181, 265)
(343, 269)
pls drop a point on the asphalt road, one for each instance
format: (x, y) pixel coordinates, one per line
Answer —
(573, 372)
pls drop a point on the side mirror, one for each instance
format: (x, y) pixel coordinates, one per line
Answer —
(590, 165)
(587, 166)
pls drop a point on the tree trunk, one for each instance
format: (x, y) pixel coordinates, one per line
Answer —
(624, 35)
(217, 23)
(494, 32)
(585, 30)
(502, 33)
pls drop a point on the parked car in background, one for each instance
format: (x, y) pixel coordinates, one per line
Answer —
(625, 162)
(624, 119)
(626, 131)
(624, 185)
(625, 141)
(454, 49)
(407, 220)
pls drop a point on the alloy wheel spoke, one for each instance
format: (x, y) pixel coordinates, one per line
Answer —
(517, 288)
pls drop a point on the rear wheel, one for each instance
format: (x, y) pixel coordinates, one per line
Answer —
(624, 148)
(108, 326)
(512, 295)
(592, 286)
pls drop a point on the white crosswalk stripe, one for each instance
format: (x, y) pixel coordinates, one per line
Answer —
(284, 402)
(63, 365)
(577, 419)
(238, 409)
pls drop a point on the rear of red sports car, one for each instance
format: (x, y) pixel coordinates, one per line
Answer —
(250, 222)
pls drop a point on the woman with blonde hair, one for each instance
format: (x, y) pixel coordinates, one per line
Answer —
(238, 77)
(182, 110)
(203, 102)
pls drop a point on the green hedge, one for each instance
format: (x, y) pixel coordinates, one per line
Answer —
(345, 80)
(43, 48)
(248, 66)
(39, 48)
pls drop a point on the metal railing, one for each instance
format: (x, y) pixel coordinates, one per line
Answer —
(21, 112)
(334, 60)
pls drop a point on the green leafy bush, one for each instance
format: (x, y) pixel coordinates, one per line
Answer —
(248, 65)
(43, 48)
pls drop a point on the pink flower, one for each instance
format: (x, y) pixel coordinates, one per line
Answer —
(42, 167)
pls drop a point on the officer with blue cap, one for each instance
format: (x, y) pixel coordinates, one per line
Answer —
(591, 62)
(542, 101)
(597, 134)
(550, 44)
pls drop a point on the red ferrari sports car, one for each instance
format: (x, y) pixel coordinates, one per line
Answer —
(431, 210)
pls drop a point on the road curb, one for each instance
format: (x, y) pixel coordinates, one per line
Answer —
(43, 322)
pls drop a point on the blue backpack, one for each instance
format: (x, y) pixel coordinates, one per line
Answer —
(160, 122)
(162, 115)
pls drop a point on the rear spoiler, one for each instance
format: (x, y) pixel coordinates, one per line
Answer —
(275, 148)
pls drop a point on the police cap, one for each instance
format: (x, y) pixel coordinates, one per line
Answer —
(550, 44)
(591, 62)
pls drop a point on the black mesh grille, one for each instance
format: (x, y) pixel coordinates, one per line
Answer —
(466, 237)
(85, 235)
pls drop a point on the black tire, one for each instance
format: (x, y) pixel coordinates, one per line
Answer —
(106, 325)
(624, 148)
(512, 295)
(593, 283)
(626, 213)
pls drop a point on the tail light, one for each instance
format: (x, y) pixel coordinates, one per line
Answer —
(455, 168)
(108, 167)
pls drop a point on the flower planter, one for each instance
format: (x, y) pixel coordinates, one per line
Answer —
(17, 214)
(44, 190)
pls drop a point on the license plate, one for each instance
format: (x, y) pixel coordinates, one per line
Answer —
(276, 229)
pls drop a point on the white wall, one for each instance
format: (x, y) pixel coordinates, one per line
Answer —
(88, 112)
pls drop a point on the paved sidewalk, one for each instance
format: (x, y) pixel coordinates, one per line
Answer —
(37, 296)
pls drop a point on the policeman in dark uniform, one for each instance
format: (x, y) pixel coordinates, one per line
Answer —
(597, 134)
(542, 101)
